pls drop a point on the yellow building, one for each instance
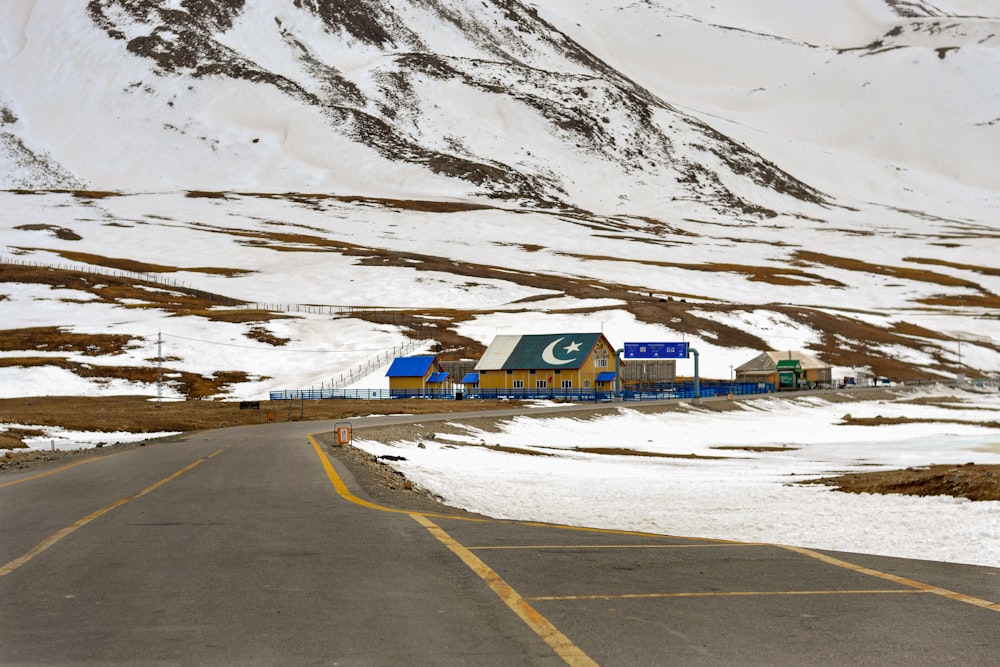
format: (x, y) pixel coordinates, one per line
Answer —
(547, 364)
(418, 376)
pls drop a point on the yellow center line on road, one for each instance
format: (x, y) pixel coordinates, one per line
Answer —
(560, 643)
(54, 538)
(532, 547)
(613, 531)
(926, 588)
(51, 472)
(570, 653)
(345, 493)
(720, 594)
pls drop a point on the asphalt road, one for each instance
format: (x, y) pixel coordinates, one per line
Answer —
(252, 546)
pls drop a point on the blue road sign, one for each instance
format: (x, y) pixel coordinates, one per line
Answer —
(656, 350)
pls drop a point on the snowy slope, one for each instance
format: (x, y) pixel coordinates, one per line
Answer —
(817, 175)
(607, 105)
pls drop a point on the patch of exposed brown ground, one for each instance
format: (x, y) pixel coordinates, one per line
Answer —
(143, 414)
(975, 482)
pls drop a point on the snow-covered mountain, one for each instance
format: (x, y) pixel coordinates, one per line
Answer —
(588, 104)
(456, 97)
(833, 161)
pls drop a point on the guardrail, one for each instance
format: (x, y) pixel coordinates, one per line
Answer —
(640, 393)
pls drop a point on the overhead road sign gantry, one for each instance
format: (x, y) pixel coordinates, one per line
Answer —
(656, 350)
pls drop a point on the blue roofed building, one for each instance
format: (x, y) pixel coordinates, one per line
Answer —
(420, 375)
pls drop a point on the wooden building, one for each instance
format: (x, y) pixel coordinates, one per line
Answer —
(786, 370)
(540, 363)
(421, 375)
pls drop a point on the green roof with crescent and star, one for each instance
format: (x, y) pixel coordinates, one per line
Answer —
(538, 351)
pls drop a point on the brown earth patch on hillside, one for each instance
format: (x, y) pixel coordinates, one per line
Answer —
(809, 258)
(95, 194)
(847, 341)
(125, 291)
(59, 339)
(986, 301)
(773, 275)
(879, 420)
(755, 448)
(620, 451)
(64, 233)
(514, 450)
(975, 482)
(985, 270)
(133, 266)
(191, 385)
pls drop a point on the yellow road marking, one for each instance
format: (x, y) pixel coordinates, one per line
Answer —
(611, 531)
(345, 493)
(54, 538)
(560, 643)
(532, 547)
(927, 588)
(339, 485)
(50, 472)
(719, 594)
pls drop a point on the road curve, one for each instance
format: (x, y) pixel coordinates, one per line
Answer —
(252, 546)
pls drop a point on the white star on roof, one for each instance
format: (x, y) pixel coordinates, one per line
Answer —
(572, 347)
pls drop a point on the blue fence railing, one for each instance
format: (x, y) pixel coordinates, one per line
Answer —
(648, 392)
(321, 394)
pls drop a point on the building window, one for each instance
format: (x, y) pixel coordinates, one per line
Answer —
(518, 384)
(586, 384)
(601, 363)
(541, 384)
(567, 384)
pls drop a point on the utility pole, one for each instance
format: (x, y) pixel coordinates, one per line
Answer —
(159, 366)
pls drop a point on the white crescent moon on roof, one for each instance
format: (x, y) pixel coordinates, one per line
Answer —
(549, 354)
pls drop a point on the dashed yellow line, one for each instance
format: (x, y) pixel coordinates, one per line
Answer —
(636, 533)
(50, 472)
(578, 547)
(54, 538)
(721, 594)
(918, 585)
(560, 643)
(570, 653)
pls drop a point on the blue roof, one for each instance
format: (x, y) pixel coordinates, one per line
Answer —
(470, 378)
(606, 376)
(437, 377)
(410, 367)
